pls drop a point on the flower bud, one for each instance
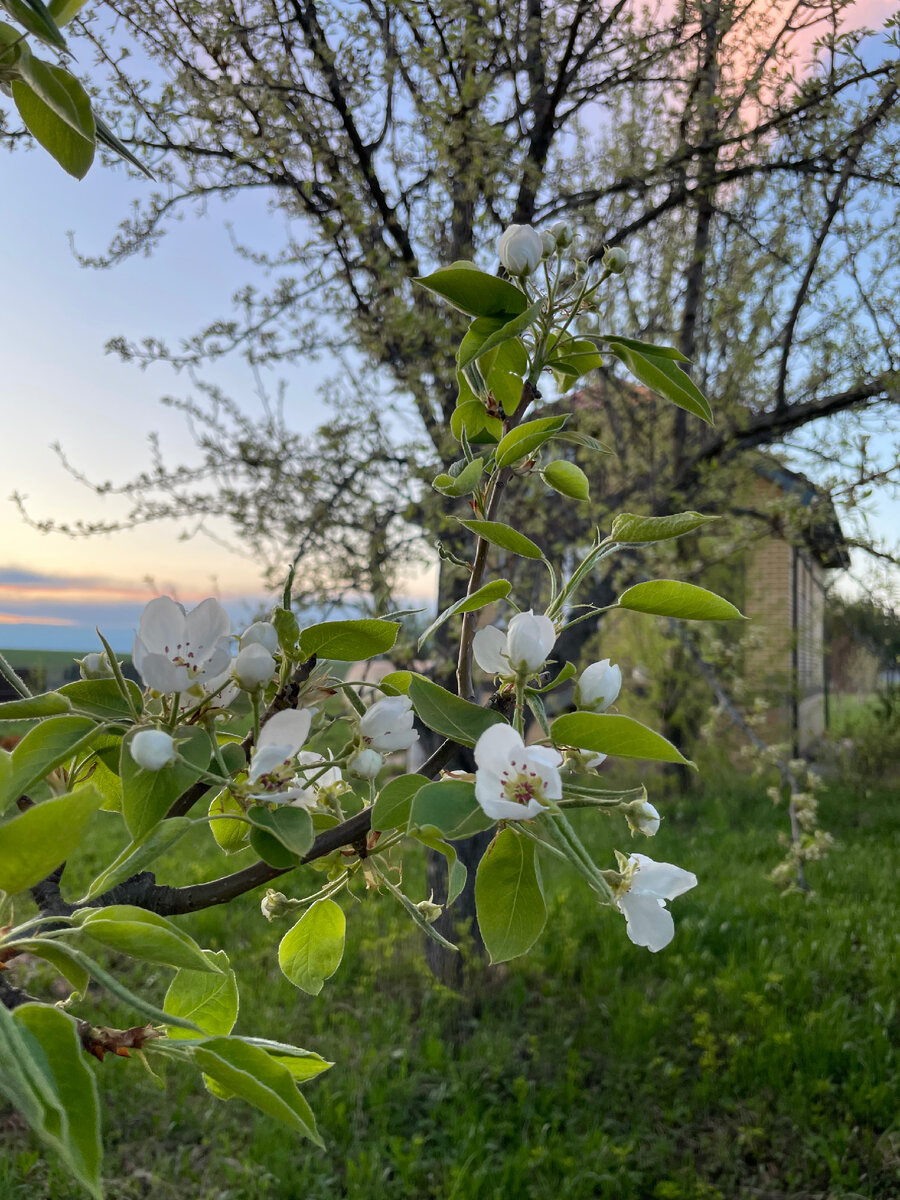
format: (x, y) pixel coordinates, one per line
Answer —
(152, 749)
(429, 910)
(642, 817)
(615, 260)
(260, 633)
(253, 666)
(95, 666)
(274, 904)
(520, 249)
(366, 764)
(549, 243)
(598, 687)
(562, 234)
(529, 640)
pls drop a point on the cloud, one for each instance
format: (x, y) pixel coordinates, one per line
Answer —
(40, 610)
(18, 619)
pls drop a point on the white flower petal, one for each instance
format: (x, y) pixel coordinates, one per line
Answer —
(218, 663)
(647, 921)
(262, 633)
(499, 809)
(489, 648)
(599, 686)
(161, 674)
(253, 666)
(152, 749)
(496, 746)
(289, 728)
(205, 625)
(529, 640)
(162, 625)
(400, 739)
(267, 758)
(660, 879)
(547, 772)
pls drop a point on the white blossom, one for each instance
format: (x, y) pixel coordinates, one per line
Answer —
(174, 649)
(514, 781)
(152, 749)
(388, 725)
(642, 896)
(260, 633)
(521, 249)
(253, 666)
(599, 686)
(272, 771)
(524, 647)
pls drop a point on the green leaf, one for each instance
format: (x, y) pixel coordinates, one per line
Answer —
(450, 715)
(272, 850)
(505, 537)
(686, 601)
(583, 439)
(485, 340)
(463, 483)
(509, 897)
(231, 835)
(76, 1087)
(396, 683)
(288, 630)
(449, 808)
(311, 952)
(249, 1072)
(58, 956)
(479, 426)
(497, 589)
(524, 439)
(148, 795)
(132, 1000)
(26, 1080)
(608, 733)
(348, 641)
(57, 112)
(647, 348)
(140, 854)
(475, 292)
(41, 751)
(49, 704)
(34, 16)
(567, 479)
(145, 935)
(302, 1064)
(63, 11)
(291, 826)
(630, 528)
(393, 803)
(34, 843)
(456, 871)
(209, 1000)
(659, 371)
(102, 698)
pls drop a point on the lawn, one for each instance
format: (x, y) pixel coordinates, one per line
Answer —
(755, 1057)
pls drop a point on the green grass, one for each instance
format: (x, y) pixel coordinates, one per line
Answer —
(755, 1057)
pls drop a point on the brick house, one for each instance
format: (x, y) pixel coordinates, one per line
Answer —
(785, 578)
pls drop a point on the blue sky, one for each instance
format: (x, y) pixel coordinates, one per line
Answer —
(57, 384)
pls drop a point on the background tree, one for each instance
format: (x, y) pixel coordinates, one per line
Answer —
(750, 178)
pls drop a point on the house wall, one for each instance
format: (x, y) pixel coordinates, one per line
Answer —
(785, 598)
